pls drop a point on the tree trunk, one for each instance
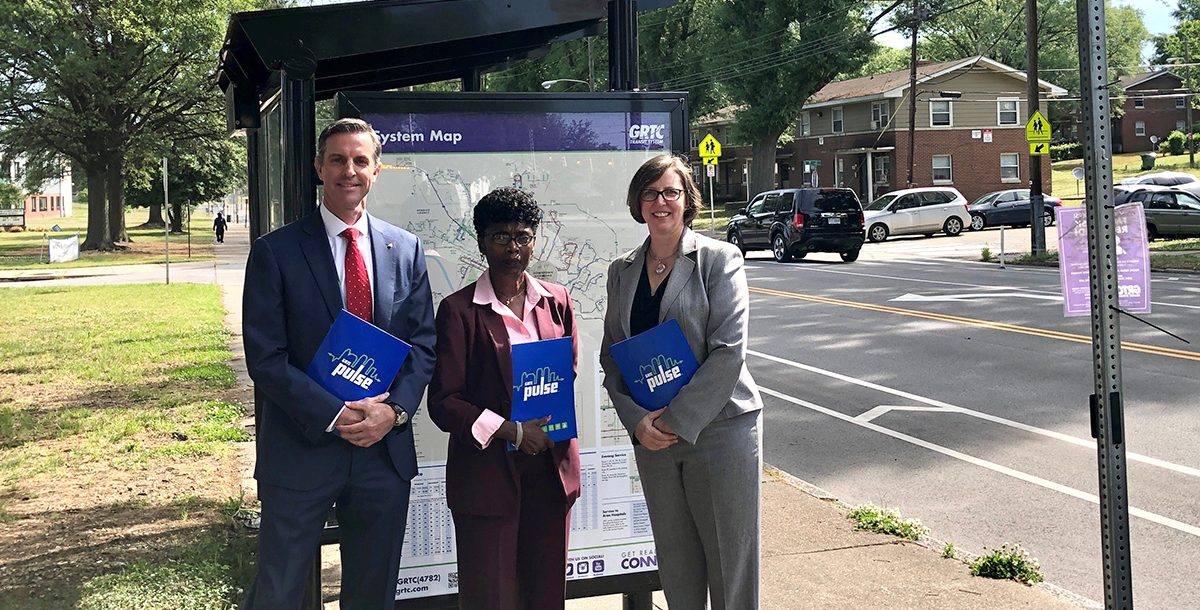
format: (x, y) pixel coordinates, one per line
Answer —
(762, 170)
(116, 200)
(156, 218)
(97, 227)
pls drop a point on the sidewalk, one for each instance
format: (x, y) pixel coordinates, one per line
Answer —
(812, 556)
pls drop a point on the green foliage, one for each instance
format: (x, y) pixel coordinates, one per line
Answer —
(883, 59)
(1176, 142)
(1070, 150)
(11, 196)
(985, 254)
(1008, 563)
(948, 551)
(886, 521)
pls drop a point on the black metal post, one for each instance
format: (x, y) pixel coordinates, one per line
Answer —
(1037, 229)
(472, 80)
(297, 107)
(254, 186)
(622, 45)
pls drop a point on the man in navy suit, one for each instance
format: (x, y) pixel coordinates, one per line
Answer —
(314, 450)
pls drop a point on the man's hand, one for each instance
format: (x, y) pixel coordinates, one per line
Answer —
(535, 439)
(348, 416)
(375, 419)
(650, 432)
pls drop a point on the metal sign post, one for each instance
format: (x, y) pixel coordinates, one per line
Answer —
(711, 170)
(1107, 418)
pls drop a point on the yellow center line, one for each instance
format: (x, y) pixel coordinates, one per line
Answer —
(1001, 326)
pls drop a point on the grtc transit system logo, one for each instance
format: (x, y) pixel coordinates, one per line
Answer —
(542, 382)
(647, 134)
(660, 371)
(357, 369)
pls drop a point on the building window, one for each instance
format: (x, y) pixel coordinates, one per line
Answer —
(1181, 126)
(1010, 167)
(42, 201)
(883, 169)
(839, 168)
(1139, 128)
(835, 117)
(940, 113)
(1007, 112)
(805, 124)
(942, 172)
(880, 112)
(695, 139)
(1139, 102)
(1180, 101)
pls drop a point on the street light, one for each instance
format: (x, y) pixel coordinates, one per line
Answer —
(546, 84)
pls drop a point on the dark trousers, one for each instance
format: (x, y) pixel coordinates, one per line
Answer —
(517, 562)
(372, 510)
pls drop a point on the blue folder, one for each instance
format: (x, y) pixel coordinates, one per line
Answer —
(543, 382)
(357, 359)
(655, 364)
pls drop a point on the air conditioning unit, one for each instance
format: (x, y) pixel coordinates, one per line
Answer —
(874, 124)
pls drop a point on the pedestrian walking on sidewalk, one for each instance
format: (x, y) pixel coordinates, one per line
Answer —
(219, 225)
(700, 457)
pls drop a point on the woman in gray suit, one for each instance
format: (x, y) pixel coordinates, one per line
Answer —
(700, 457)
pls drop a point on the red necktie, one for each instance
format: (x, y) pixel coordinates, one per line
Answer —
(358, 283)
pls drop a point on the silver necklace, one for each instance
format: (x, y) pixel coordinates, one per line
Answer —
(508, 300)
(661, 267)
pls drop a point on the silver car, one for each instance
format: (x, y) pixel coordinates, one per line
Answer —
(1169, 212)
(917, 211)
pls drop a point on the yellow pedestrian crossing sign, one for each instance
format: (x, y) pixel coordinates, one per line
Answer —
(710, 147)
(1039, 148)
(710, 160)
(1037, 129)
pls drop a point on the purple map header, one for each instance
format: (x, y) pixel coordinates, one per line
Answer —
(522, 132)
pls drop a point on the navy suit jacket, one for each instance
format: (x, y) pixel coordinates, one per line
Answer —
(290, 299)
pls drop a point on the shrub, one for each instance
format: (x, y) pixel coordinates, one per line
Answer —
(1008, 563)
(1070, 150)
(886, 521)
(985, 254)
(1176, 142)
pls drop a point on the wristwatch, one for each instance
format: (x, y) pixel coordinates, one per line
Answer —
(401, 414)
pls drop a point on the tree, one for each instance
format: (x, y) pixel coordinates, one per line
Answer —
(11, 196)
(105, 83)
(198, 170)
(769, 57)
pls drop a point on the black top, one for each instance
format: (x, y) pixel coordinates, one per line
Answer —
(644, 314)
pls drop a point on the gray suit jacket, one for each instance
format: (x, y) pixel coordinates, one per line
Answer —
(707, 295)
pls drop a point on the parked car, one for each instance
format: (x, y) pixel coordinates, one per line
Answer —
(1010, 207)
(1122, 192)
(1180, 180)
(1169, 212)
(793, 222)
(923, 210)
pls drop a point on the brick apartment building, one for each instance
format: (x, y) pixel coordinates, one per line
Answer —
(969, 133)
(1155, 105)
(52, 200)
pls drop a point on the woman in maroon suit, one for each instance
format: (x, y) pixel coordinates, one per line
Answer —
(511, 509)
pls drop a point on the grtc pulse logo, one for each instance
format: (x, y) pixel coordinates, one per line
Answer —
(647, 134)
(661, 370)
(541, 382)
(357, 369)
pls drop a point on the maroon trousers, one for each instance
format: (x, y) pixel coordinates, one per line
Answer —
(517, 562)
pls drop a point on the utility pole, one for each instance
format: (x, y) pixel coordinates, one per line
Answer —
(1187, 61)
(1037, 229)
(912, 91)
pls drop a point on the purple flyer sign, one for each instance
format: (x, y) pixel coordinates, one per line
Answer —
(1133, 260)
(521, 132)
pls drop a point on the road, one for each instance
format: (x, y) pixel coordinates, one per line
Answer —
(957, 392)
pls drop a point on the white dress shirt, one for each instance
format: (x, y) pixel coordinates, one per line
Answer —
(337, 244)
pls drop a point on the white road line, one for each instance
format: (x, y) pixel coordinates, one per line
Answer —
(1186, 528)
(881, 409)
(1088, 443)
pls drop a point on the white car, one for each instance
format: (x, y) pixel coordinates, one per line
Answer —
(917, 211)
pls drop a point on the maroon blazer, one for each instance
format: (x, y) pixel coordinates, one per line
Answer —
(473, 372)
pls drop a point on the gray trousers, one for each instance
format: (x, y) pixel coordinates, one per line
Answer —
(704, 503)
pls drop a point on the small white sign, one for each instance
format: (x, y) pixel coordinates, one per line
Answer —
(711, 170)
(987, 135)
(976, 134)
(64, 249)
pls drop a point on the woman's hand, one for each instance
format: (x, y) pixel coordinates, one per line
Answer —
(534, 439)
(651, 436)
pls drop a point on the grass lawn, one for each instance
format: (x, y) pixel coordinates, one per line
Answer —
(1159, 260)
(27, 249)
(703, 221)
(118, 425)
(1124, 166)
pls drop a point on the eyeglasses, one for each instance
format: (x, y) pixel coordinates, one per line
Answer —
(503, 239)
(668, 194)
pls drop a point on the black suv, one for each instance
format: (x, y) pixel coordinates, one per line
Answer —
(794, 222)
